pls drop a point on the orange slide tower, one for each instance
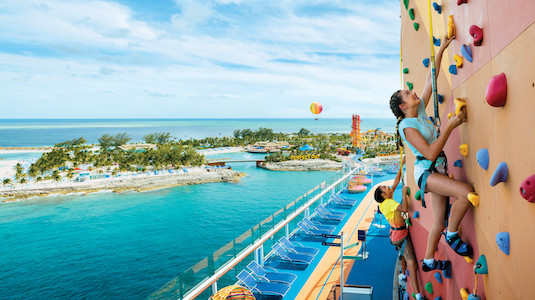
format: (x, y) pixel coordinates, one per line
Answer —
(489, 67)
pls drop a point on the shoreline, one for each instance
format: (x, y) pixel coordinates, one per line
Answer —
(303, 165)
(119, 184)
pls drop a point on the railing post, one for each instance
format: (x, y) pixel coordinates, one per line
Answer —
(214, 287)
(261, 255)
(307, 213)
(287, 230)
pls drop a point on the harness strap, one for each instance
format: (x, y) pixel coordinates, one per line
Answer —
(399, 228)
(423, 179)
(402, 249)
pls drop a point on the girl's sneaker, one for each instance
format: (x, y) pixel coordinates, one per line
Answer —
(437, 265)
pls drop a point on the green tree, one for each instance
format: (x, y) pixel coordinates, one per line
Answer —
(71, 143)
(157, 138)
(303, 131)
(106, 141)
(56, 176)
(121, 139)
(6, 181)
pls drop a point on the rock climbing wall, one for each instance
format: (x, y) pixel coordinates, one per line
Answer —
(508, 132)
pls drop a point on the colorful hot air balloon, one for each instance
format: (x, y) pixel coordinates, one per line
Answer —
(316, 108)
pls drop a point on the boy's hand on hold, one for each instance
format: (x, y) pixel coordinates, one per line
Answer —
(404, 190)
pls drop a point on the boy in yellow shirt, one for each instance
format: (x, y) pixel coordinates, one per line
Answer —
(392, 210)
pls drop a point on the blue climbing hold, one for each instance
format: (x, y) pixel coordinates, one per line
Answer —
(482, 157)
(500, 175)
(473, 297)
(453, 69)
(447, 273)
(437, 7)
(438, 277)
(467, 52)
(436, 42)
(458, 163)
(426, 62)
(502, 239)
(440, 98)
(481, 265)
(438, 298)
(416, 215)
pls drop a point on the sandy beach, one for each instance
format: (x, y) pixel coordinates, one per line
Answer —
(137, 183)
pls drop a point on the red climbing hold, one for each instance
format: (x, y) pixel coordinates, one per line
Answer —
(477, 34)
(527, 189)
(459, 2)
(496, 92)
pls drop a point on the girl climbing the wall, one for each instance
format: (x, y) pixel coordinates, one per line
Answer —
(420, 134)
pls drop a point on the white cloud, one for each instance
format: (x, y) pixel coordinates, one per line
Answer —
(81, 56)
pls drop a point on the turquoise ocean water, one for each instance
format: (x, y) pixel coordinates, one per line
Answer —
(126, 246)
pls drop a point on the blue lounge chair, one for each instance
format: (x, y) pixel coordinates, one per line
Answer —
(293, 258)
(331, 213)
(296, 247)
(317, 225)
(274, 276)
(322, 215)
(262, 288)
(312, 231)
(337, 199)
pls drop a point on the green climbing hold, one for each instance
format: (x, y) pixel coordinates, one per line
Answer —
(411, 13)
(416, 26)
(429, 287)
(418, 195)
(481, 265)
(413, 295)
(406, 71)
(410, 85)
(406, 3)
(408, 221)
(408, 191)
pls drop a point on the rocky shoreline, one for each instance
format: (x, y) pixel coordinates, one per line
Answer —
(120, 184)
(303, 165)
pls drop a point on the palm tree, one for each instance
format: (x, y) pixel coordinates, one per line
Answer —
(6, 181)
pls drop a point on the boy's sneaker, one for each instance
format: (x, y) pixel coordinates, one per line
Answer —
(402, 280)
(437, 265)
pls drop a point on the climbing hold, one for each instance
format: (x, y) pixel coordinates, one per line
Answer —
(451, 176)
(438, 277)
(474, 297)
(418, 195)
(408, 221)
(416, 215)
(464, 293)
(477, 34)
(450, 115)
(527, 188)
(459, 2)
(410, 85)
(406, 3)
(466, 51)
(469, 259)
(438, 298)
(453, 69)
(451, 27)
(496, 92)
(429, 287)
(413, 295)
(464, 149)
(459, 104)
(482, 157)
(406, 71)
(500, 174)
(426, 62)
(481, 265)
(436, 42)
(458, 60)
(416, 26)
(458, 163)
(408, 191)
(473, 198)
(502, 239)
(447, 273)
(437, 7)
(411, 13)
(440, 98)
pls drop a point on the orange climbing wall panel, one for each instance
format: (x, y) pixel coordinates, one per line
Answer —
(508, 132)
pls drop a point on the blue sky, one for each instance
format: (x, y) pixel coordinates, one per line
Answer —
(197, 59)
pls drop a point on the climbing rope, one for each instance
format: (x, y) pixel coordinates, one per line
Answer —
(436, 120)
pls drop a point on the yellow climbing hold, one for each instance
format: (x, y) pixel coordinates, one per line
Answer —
(464, 293)
(458, 60)
(464, 149)
(451, 27)
(459, 104)
(449, 115)
(469, 259)
(473, 198)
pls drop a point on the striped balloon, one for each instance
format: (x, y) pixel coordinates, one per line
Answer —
(316, 108)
